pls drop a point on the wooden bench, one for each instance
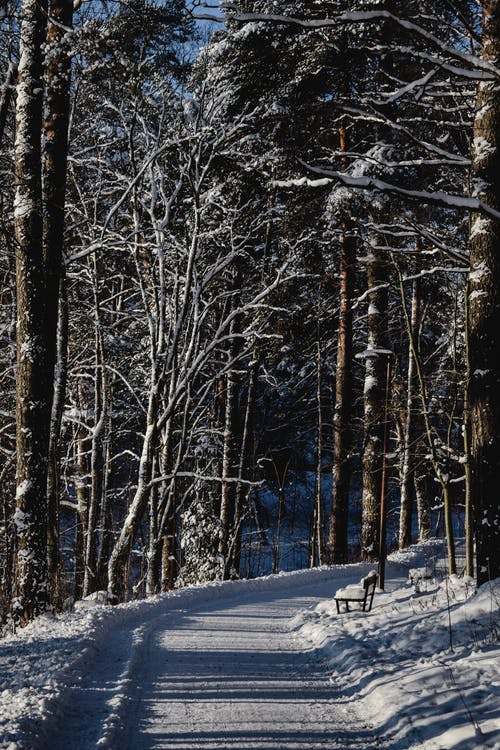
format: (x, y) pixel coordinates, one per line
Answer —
(361, 593)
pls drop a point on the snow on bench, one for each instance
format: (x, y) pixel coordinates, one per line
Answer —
(361, 593)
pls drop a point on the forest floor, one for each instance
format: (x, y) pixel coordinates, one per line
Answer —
(263, 664)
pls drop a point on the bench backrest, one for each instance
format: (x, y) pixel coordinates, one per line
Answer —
(369, 584)
(369, 581)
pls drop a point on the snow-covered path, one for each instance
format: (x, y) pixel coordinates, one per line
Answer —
(224, 674)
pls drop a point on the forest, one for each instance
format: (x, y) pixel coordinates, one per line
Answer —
(250, 290)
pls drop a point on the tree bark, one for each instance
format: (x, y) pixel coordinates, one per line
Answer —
(34, 375)
(82, 483)
(420, 475)
(469, 510)
(408, 459)
(55, 157)
(374, 402)
(242, 491)
(441, 476)
(317, 551)
(229, 463)
(90, 581)
(484, 311)
(123, 545)
(54, 470)
(342, 417)
(5, 99)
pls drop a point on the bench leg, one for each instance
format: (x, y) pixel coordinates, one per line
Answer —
(338, 606)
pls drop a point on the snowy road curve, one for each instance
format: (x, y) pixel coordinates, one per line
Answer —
(224, 674)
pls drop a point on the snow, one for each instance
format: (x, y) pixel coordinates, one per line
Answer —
(371, 382)
(423, 196)
(23, 488)
(482, 149)
(266, 663)
(350, 591)
(481, 225)
(480, 271)
(477, 294)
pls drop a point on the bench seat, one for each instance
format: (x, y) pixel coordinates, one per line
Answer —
(361, 593)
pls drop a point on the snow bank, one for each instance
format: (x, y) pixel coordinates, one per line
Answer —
(425, 666)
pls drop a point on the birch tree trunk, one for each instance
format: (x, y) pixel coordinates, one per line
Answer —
(228, 489)
(123, 545)
(420, 474)
(484, 311)
(408, 459)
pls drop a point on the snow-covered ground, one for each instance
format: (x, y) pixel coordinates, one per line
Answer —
(261, 664)
(423, 667)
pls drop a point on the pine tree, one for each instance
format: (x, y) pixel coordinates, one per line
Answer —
(484, 310)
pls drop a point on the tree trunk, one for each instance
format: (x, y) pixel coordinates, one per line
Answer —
(227, 506)
(420, 475)
(242, 491)
(82, 481)
(277, 544)
(123, 545)
(441, 476)
(6, 98)
(228, 490)
(374, 402)
(469, 510)
(484, 311)
(55, 156)
(342, 417)
(408, 459)
(34, 374)
(280, 465)
(53, 482)
(96, 453)
(169, 562)
(154, 546)
(317, 554)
